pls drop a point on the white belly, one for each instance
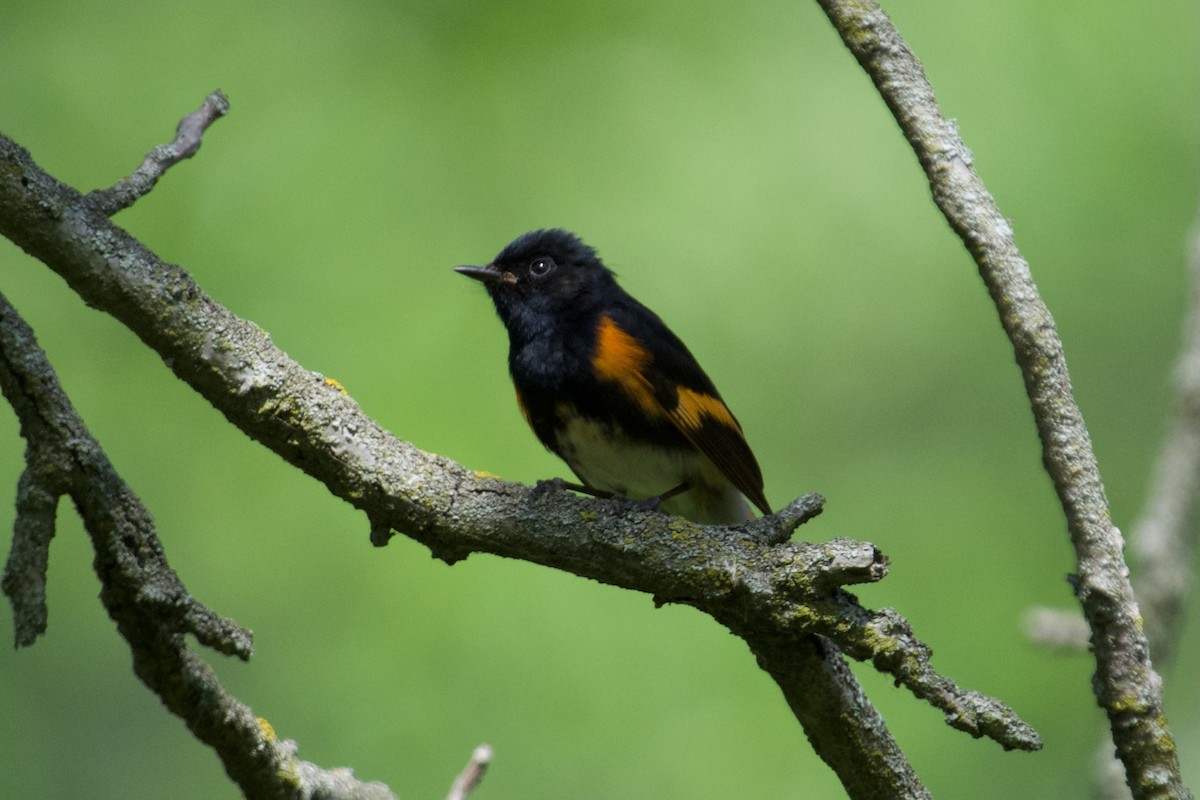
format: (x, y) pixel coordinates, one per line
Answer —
(606, 460)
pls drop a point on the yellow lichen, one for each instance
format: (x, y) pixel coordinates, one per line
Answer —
(268, 731)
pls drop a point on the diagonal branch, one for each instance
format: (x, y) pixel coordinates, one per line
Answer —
(777, 595)
(472, 774)
(188, 137)
(1127, 687)
(143, 595)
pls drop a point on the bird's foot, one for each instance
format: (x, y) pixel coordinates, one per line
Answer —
(649, 503)
(548, 485)
(544, 487)
(625, 504)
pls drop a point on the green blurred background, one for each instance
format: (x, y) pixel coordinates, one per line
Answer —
(736, 168)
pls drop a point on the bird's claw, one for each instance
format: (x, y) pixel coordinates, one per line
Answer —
(547, 486)
(624, 504)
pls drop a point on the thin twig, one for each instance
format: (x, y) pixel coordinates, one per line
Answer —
(1127, 686)
(472, 773)
(188, 138)
(1057, 628)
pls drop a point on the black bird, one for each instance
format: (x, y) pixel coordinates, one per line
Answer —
(607, 386)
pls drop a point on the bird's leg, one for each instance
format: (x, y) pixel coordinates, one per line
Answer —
(647, 504)
(559, 485)
(678, 490)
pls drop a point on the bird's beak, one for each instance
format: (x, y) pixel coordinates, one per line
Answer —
(487, 274)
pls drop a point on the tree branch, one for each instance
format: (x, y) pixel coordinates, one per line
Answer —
(188, 137)
(776, 595)
(24, 581)
(1127, 687)
(143, 595)
(472, 774)
(1164, 538)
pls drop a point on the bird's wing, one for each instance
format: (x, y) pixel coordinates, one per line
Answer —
(637, 351)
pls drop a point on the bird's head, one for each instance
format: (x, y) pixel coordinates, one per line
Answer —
(544, 275)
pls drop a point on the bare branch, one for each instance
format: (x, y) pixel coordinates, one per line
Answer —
(24, 581)
(188, 135)
(143, 595)
(778, 528)
(1127, 687)
(1057, 628)
(820, 690)
(1164, 539)
(472, 774)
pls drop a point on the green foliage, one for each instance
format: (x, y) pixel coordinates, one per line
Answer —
(735, 167)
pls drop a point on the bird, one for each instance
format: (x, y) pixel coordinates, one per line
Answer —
(611, 390)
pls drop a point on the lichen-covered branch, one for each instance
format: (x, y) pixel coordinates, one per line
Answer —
(152, 609)
(821, 691)
(775, 594)
(188, 138)
(24, 580)
(1127, 687)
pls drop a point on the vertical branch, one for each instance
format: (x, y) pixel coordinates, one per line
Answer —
(1164, 540)
(1126, 685)
(24, 580)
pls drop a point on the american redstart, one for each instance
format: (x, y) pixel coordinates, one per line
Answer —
(607, 386)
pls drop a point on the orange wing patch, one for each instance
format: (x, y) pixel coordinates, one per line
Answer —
(621, 359)
(708, 424)
(695, 406)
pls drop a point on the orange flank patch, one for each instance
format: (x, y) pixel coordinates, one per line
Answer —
(695, 406)
(621, 359)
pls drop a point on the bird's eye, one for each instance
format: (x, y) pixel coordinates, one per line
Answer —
(541, 267)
